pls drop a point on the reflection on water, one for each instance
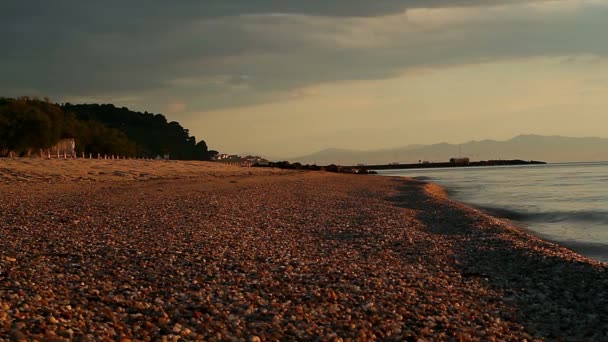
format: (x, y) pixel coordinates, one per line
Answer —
(566, 203)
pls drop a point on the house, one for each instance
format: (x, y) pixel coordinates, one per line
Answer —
(65, 147)
(459, 161)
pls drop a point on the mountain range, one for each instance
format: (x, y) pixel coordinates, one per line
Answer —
(525, 147)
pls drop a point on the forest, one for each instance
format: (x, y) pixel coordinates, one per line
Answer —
(30, 124)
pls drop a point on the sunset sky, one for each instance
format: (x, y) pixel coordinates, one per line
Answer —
(289, 77)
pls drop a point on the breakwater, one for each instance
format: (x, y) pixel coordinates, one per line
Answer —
(395, 166)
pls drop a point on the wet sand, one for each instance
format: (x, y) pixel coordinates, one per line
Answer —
(196, 250)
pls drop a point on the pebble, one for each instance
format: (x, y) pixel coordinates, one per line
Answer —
(279, 256)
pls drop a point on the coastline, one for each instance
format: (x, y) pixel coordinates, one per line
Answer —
(584, 249)
(443, 194)
(593, 251)
(198, 250)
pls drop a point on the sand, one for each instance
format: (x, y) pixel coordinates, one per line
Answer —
(29, 170)
(199, 250)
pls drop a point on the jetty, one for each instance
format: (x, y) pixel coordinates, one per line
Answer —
(427, 165)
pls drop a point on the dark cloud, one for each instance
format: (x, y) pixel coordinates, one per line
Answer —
(138, 11)
(83, 48)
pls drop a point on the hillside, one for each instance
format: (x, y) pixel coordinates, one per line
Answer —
(527, 147)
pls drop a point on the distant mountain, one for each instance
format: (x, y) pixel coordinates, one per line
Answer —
(526, 147)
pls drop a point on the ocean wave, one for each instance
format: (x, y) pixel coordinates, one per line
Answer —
(582, 216)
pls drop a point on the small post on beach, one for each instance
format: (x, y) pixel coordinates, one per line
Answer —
(90, 155)
(58, 153)
(65, 155)
(10, 154)
(41, 154)
(49, 154)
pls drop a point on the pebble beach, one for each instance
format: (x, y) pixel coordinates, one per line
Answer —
(131, 250)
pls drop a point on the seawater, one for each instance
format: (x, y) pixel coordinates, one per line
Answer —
(564, 203)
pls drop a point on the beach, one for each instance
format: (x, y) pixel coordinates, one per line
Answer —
(167, 250)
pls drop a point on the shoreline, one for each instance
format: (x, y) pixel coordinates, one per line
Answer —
(446, 194)
(585, 249)
(224, 252)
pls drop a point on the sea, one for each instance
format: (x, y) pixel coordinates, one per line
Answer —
(563, 203)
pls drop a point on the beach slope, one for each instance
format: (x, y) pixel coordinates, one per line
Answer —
(140, 249)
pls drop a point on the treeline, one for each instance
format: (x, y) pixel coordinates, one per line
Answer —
(31, 124)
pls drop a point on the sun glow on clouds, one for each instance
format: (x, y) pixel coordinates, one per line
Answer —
(450, 73)
(288, 82)
(458, 103)
(176, 107)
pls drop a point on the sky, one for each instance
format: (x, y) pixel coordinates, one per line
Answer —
(285, 78)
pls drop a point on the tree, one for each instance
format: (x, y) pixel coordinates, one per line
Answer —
(27, 124)
(152, 133)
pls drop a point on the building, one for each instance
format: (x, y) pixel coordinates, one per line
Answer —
(459, 161)
(65, 147)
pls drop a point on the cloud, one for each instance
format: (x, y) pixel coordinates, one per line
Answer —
(176, 107)
(98, 15)
(219, 54)
(302, 50)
